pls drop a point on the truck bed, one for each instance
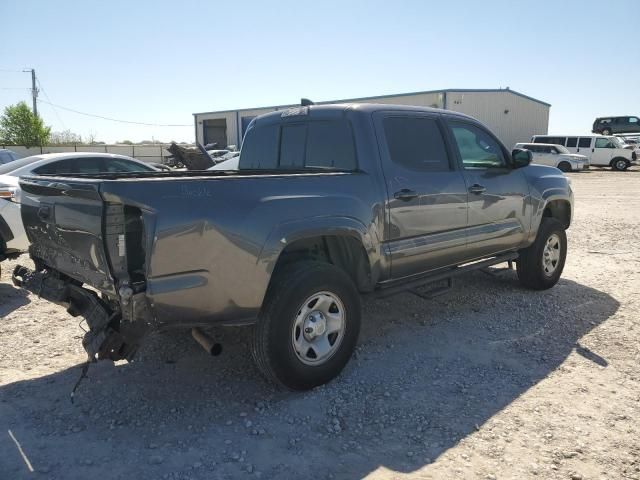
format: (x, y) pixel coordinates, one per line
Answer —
(104, 230)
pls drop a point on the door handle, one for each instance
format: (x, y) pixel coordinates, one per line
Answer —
(477, 189)
(405, 195)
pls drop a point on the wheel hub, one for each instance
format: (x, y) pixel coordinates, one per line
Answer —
(318, 328)
(315, 325)
(551, 254)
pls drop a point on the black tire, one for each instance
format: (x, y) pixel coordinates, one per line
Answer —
(619, 164)
(606, 131)
(530, 264)
(564, 166)
(271, 341)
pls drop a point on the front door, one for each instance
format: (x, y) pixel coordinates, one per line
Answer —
(602, 152)
(499, 215)
(426, 193)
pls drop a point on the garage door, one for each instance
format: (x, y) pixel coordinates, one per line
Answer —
(215, 131)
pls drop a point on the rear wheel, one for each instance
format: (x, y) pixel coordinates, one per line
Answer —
(564, 166)
(620, 164)
(308, 327)
(539, 266)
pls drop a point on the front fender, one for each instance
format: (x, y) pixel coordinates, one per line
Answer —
(547, 184)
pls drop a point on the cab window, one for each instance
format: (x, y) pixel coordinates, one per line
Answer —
(416, 143)
(321, 144)
(584, 142)
(476, 147)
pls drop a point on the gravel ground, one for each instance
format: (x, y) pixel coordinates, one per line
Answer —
(488, 381)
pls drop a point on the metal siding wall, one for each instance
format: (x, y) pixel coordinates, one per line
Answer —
(525, 117)
(230, 117)
(419, 100)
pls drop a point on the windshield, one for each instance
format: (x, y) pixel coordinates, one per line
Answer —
(617, 142)
(16, 164)
(562, 149)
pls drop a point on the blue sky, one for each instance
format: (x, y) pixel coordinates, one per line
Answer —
(160, 61)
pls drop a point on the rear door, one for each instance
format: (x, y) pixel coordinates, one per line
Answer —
(498, 218)
(543, 156)
(585, 147)
(426, 193)
(572, 144)
(63, 219)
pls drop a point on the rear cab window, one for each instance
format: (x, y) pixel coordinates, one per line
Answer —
(297, 145)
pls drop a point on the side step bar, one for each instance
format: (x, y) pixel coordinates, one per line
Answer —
(402, 286)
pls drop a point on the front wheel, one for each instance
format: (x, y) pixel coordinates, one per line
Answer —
(620, 164)
(539, 266)
(308, 327)
(564, 167)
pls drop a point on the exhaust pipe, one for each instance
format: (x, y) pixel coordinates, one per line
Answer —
(212, 347)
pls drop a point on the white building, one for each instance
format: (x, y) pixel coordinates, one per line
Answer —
(512, 116)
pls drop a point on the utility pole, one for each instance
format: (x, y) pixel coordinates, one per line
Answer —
(34, 90)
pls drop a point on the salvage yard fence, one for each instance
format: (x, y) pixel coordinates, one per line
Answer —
(147, 153)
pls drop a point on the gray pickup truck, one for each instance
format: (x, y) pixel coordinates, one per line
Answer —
(330, 203)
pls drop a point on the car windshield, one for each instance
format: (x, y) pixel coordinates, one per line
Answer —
(10, 167)
(562, 149)
(617, 142)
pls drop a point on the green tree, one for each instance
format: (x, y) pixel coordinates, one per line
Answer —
(19, 126)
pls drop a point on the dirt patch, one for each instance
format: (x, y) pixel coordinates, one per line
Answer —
(487, 381)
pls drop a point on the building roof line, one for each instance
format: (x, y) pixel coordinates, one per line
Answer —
(359, 99)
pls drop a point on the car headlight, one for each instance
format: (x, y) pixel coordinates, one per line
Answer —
(8, 193)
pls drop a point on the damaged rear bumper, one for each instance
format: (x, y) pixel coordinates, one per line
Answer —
(114, 333)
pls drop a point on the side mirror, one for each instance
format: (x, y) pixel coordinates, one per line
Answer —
(521, 157)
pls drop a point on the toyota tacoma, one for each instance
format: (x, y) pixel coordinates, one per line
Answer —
(329, 203)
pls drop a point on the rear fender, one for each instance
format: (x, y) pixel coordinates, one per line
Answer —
(290, 232)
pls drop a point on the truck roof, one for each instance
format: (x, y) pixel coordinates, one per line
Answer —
(337, 109)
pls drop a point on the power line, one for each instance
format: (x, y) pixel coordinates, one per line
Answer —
(6, 70)
(53, 108)
(116, 119)
(14, 88)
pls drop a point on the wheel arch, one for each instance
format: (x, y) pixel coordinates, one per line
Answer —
(559, 209)
(341, 241)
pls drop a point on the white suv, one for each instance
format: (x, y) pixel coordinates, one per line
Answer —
(602, 151)
(556, 156)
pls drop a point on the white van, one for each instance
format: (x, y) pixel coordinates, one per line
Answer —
(602, 151)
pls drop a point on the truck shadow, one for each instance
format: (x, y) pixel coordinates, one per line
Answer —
(426, 375)
(11, 298)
